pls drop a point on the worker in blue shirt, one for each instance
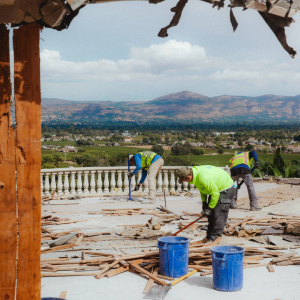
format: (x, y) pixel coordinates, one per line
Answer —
(240, 165)
(147, 160)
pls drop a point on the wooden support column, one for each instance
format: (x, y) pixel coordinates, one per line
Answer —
(28, 158)
(8, 212)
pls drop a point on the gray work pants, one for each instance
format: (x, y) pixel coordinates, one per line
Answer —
(217, 220)
(250, 187)
(152, 173)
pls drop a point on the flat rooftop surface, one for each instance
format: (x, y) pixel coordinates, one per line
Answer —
(259, 283)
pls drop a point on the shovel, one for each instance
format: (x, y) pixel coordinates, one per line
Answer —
(159, 292)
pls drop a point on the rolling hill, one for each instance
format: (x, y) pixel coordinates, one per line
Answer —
(178, 107)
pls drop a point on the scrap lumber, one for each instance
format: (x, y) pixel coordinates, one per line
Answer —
(64, 274)
(63, 295)
(79, 240)
(137, 267)
(116, 271)
(232, 226)
(53, 249)
(270, 268)
(150, 281)
(97, 276)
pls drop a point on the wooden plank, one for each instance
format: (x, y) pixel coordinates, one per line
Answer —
(97, 276)
(150, 281)
(53, 249)
(239, 223)
(79, 240)
(270, 268)
(8, 210)
(63, 295)
(63, 274)
(116, 271)
(28, 157)
(143, 271)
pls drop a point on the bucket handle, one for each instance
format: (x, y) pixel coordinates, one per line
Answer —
(220, 258)
(165, 247)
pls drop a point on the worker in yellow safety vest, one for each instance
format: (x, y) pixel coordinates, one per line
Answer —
(240, 167)
(151, 163)
(216, 190)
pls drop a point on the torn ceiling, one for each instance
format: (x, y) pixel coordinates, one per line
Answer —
(58, 14)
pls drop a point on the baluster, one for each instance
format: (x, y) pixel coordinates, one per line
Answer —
(166, 181)
(93, 183)
(106, 182)
(146, 185)
(119, 182)
(112, 181)
(185, 185)
(59, 184)
(53, 183)
(178, 185)
(159, 182)
(192, 187)
(133, 182)
(66, 184)
(42, 185)
(47, 185)
(139, 177)
(99, 182)
(86, 182)
(172, 181)
(126, 183)
(79, 183)
(73, 184)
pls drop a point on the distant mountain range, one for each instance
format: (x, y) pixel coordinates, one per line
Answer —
(179, 107)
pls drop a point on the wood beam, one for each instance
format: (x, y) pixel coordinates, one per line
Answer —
(28, 158)
(8, 212)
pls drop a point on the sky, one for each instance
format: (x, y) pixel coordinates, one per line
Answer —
(111, 51)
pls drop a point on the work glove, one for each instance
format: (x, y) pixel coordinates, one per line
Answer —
(206, 212)
(137, 187)
(129, 174)
(256, 165)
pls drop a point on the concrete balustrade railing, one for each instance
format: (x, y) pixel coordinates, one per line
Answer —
(105, 181)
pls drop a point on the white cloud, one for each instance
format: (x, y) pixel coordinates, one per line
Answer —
(170, 60)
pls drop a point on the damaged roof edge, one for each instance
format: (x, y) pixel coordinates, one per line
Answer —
(58, 14)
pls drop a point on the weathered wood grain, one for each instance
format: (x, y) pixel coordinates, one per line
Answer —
(28, 158)
(8, 212)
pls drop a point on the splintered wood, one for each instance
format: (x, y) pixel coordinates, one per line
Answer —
(131, 212)
(8, 203)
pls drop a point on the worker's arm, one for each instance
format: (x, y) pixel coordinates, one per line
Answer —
(253, 154)
(203, 197)
(144, 176)
(212, 190)
(138, 163)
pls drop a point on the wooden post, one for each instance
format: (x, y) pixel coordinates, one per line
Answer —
(28, 158)
(8, 213)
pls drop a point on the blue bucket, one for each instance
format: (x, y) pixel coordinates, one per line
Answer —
(173, 256)
(227, 264)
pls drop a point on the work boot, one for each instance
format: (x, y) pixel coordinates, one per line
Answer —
(205, 240)
(255, 208)
(232, 207)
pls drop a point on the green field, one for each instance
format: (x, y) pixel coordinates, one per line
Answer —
(108, 151)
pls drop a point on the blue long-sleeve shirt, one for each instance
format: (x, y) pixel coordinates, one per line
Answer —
(252, 154)
(138, 162)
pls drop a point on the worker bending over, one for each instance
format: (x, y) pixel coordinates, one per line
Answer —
(240, 168)
(146, 161)
(216, 190)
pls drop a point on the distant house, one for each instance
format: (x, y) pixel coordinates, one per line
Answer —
(128, 140)
(67, 150)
